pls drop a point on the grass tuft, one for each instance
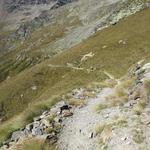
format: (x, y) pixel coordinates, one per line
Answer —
(139, 107)
(76, 102)
(138, 136)
(99, 129)
(147, 86)
(100, 107)
(120, 94)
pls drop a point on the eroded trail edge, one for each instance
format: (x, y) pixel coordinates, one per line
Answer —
(117, 119)
(78, 132)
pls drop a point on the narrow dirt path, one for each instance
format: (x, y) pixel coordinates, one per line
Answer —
(78, 132)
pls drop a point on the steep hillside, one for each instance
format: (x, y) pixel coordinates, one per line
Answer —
(51, 32)
(113, 49)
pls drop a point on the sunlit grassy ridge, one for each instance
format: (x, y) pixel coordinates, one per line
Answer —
(52, 82)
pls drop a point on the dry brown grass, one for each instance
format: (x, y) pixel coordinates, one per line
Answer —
(94, 85)
(147, 87)
(117, 98)
(99, 129)
(109, 83)
(77, 102)
(104, 131)
(98, 108)
(89, 94)
(34, 144)
(120, 94)
(139, 107)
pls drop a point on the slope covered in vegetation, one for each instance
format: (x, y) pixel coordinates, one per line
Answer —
(114, 49)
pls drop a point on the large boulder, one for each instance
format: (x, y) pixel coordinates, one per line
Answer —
(17, 135)
(29, 126)
(37, 131)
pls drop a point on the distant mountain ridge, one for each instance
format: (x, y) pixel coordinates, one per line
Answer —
(12, 5)
(49, 47)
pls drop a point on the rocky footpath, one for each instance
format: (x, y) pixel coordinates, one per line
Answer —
(47, 126)
(110, 123)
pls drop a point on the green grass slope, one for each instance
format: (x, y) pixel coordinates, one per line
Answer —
(19, 102)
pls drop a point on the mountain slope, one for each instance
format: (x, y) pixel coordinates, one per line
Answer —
(116, 48)
(51, 32)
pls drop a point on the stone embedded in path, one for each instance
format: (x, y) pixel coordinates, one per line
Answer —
(17, 135)
(45, 122)
(37, 131)
(44, 136)
(29, 126)
(36, 118)
(65, 108)
(51, 139)
(67, 114)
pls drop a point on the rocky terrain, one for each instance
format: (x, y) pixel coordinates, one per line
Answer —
(69, 77)
(48, 125)
(101, 125)
(12, 5)
(91, 120)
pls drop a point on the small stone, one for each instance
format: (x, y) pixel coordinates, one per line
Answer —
(147, 110)
(106, 116)
(55, 110)
(124, 138)
(5, 147)
(6, 144)
(17, 135)
(21, 95)
(91, 135)
(26, 132)
(43, 137)
(45, 122)
(124, 42)
(51, 139)
(36, 124)
(11, 143)
(36, 119)
(42, 116)
(45, 113)
(104, 47)
(37, 131)
(67, 114)
(34, 88)
(29, 126)
(64, 107)
(120, 41)
(57, 119)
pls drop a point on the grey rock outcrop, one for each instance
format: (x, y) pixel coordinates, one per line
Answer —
(17, 135)
(48, 125)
